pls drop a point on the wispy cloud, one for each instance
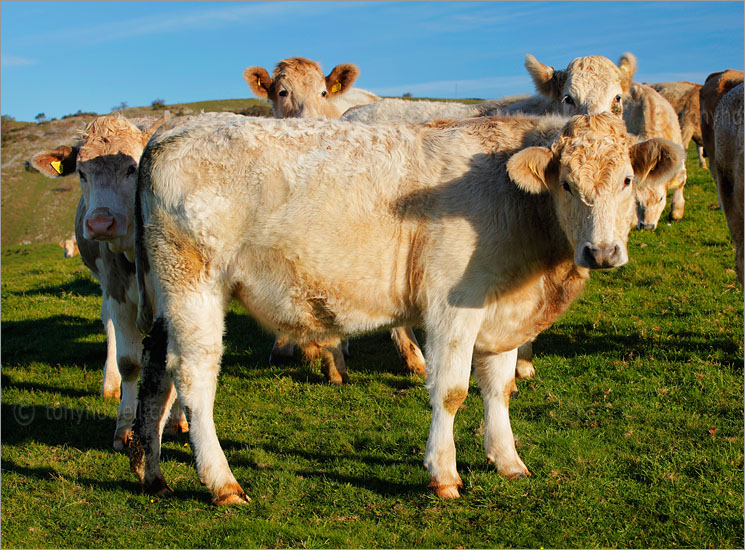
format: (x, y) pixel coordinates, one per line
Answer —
(15, 61)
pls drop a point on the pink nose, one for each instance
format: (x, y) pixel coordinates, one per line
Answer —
(101, 227)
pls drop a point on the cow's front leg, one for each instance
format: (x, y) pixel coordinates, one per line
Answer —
(155, 399)
(112, 380)
(496, 376)
(330, 354)
(196, 326)
(678, 202)
(128, 351)
(408, 349)
(449, 353)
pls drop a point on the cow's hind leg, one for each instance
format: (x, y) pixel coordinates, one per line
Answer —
(196, 326)
(496, 376)
(408, 349)
(524, 370)
(155, 398)
(282, 350)
(112, 380)
(330, 354)
(678, 202)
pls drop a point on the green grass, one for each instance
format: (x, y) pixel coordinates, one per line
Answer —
(632, 427)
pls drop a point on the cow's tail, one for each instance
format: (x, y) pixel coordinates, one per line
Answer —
(145, 313)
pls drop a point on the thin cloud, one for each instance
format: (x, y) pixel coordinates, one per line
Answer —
(15, 61)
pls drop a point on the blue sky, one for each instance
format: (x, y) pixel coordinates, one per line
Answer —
(61, 57)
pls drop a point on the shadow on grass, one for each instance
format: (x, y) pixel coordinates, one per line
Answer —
(80, 286)
(52, 340)
(8, 383)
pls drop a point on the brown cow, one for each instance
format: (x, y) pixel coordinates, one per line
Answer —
(105, 159)
(299, 88)
(684, 98)
(328, 228)
(722, 128)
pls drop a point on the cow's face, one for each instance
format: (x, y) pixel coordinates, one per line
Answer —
(589, 85)
(299, 89)
(651, 197)
(590, 172)
(106, 162)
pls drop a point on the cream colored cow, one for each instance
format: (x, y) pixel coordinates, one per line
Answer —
(299, 88)
(594, 84)
(70, 245)
(329, 228)
(722, 128)
(105, 159)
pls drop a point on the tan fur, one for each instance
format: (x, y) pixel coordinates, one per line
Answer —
(454, 399)
(715, 87)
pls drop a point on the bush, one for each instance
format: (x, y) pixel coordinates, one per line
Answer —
(158, 104)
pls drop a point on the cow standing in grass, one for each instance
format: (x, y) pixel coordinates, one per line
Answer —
(327, 228)
(70, 246)
(106, 158)
(722, 128)
(299, 90)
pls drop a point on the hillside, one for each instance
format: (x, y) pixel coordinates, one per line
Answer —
(36, 209)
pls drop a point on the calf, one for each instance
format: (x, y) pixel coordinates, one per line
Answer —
(594, 84)
(70, 246)
(106, 158)
(299, 88)
(684, 98)
(722, 127)
(327, 228)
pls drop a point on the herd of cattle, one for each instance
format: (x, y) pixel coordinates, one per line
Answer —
(349, 213)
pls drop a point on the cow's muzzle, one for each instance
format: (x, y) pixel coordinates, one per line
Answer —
(602, 256)
(102, 225)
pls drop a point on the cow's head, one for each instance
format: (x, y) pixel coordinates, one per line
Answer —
(590, 172)
(105, 158)
(70, 246)
(299, 89)
(651, 194)
(589, 85)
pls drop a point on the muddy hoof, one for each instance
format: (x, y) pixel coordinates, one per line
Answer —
(121, 442)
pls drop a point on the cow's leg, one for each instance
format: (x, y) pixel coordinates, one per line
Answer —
(196, 325)
(177, 423)
(677, 204)
(332, 359)
(409, 350)
(155, 398)
(449, 352)
(128, 351)
(282, 350)
(496, 376)
(524, 370)
(112, 380)
(700, 153)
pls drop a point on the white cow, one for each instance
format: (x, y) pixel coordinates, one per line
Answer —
(328, 228)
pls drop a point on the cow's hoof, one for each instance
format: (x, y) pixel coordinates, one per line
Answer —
(157, 487)
(447, 491)
(177, 427)
(112, 393)
(122, 441)
(229, 495)
(524, 369)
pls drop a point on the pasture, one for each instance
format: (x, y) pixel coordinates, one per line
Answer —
(632, 427)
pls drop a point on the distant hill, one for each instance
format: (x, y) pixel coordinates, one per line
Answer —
(36, 209)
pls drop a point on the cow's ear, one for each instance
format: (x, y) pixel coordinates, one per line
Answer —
(548, 82)
(147, 133)
(627, 66)
(258, 80)
(58, 162)
(341, 78)
(656, 160)
(533, 169)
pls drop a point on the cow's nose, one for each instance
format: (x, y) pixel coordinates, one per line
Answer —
(101, 227)
(600, 257)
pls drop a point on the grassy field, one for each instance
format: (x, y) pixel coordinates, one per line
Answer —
(632, 427)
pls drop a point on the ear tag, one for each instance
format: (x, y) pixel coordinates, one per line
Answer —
(335, 88)
(258, 81)
(57, 165)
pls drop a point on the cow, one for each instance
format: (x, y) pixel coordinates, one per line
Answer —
(105, 158)
(70, 246)
(593, 84)
(683, 96)
(722, 127)
(401, 110)
(328, 228)
(298, 88)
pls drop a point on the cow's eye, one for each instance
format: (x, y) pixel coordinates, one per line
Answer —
(662, 198)
(283, 93)
(617, 99)
(131, 170)
(568, 100)
(628, 181)
(566, 187)
(323, 93)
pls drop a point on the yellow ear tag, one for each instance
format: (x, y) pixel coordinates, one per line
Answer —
(57, 165)
(335, 88)
(258, 80)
